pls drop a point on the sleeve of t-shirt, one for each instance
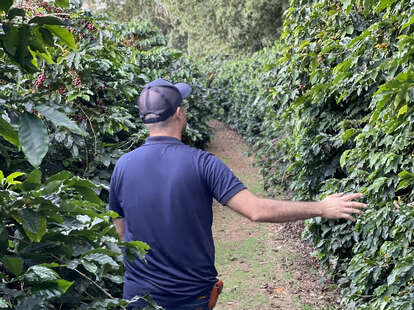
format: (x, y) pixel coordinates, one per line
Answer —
(114, 203)
(223, 184)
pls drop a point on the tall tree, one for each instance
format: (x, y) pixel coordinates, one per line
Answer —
(228, 25)
(200, 27)
(154, 11)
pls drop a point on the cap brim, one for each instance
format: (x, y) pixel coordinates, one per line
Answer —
(184, 89)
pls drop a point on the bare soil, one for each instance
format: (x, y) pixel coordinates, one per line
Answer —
(263, 266)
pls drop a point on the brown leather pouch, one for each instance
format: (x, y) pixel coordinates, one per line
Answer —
(215, 292)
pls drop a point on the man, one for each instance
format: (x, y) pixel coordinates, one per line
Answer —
(163, 192)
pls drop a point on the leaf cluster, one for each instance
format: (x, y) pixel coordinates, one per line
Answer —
(71, 107)
(78, 111)
(330, 109)
(205, 27)
(58, 248)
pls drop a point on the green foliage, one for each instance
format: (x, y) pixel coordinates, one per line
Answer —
(154, 12)
(34, 138)
(330, 109)
(227, 25)
(68, 85)
(79, 112)
(58, 248)
(201, 27)
(25, 40)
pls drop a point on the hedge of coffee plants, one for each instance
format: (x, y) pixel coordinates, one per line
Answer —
(69, 81)
(81, 96)
(330, 108)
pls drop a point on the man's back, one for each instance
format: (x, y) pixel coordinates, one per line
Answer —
(164, 192)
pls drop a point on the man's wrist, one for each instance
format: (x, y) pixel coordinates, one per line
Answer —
(320, 209)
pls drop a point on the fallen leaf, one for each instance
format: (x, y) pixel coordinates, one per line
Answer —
(279, 291)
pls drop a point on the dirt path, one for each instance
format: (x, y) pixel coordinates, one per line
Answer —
(263, 266)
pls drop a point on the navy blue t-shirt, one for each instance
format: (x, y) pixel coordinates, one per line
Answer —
(164, 191)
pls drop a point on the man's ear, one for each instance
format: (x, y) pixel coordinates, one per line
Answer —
(179, 112)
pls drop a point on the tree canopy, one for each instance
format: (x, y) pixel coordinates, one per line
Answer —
(202, 27)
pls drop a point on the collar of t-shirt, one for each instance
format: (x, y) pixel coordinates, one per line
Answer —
(161, 140)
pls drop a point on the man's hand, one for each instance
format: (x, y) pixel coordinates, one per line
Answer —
(338, 206)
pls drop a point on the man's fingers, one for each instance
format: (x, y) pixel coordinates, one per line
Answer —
(337, 195)
(352, 196)
(348, 217)
(355, 204)
(351, 210)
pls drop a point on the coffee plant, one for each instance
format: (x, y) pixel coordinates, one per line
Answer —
(69, 81)
(78, 109)
(329, 108)
(58, 247)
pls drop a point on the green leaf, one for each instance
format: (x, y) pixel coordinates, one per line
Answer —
(91, 267)
(84, 187)
(383, 4)
(3, 304)
(13, 264)
(61, 176)
(5, 5)
(135, 249)
(34, 179)
(63, 285)
(47, 36)
(63, 34)
(342, 161)
(268, 67)
(11, 40)
(51, 187)
(410, 22)
(406, 175)
(8, 133)
(33, 138)
(101, 259)
(375, 186)
(79, 182)
(4, 238)
(407, 180)
(349, 29)
(34, 225)
(59, 119)
(16, 12)
(62, 3)
(34, 58)
(347, 4)
(11, 178)
(349, 134)
(399, 272)
(89, 194)
(118, 279)
(403, 110)
(47, 20)
(53, 288)
(40, 273)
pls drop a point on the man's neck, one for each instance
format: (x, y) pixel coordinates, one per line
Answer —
(176, 135)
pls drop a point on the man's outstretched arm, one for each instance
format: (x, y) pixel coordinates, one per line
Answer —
(257, 209)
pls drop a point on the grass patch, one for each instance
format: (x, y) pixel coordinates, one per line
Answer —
(245, 265)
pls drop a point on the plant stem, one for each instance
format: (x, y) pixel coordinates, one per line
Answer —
(94, 283)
